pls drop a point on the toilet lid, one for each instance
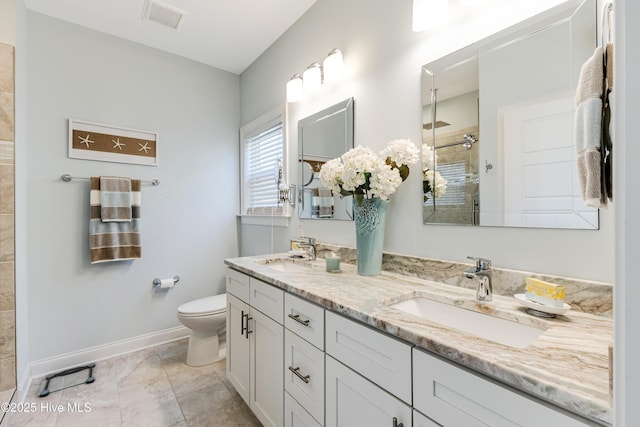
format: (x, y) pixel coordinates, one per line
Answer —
(204, 306)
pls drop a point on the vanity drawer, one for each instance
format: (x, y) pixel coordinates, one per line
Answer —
(267, 299)
(451, 395)
(238, 284)
(419, 420)
(384, 360)
(305, 319)
(352, 400)
(295, 415)
(306, 384)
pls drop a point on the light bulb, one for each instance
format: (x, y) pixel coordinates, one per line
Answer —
(312, 77)
(294, 88)
(333, 66)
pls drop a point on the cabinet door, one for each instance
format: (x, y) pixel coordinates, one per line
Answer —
(295, 415)
(238, 346)
(267, 365)
(354, 401)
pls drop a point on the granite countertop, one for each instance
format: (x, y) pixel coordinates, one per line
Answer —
(568, 365)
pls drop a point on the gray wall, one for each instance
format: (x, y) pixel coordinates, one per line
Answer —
(382, 65)
(189, 223)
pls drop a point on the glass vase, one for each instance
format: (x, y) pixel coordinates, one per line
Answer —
(370, 217)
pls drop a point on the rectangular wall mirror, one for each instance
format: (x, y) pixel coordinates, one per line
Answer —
(498, 125)
(321, 137)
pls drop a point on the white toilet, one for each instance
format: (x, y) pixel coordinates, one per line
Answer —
(206, 317)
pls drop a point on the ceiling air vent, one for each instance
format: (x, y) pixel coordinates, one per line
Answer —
(163, 13)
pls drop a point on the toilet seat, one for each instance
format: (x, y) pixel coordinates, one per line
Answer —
(204, 306)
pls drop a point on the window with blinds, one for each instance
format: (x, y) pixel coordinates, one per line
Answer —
(262, 150)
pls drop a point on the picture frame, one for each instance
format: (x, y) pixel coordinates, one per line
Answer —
(108, 143)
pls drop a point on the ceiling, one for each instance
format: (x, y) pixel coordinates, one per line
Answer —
(226, 34)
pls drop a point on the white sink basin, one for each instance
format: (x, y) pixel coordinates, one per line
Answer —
(287, 265)
(492, 328)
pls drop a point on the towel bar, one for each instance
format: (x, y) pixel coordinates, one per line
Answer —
(67, 178)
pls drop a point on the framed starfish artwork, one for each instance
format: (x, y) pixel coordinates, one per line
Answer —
(93, 141)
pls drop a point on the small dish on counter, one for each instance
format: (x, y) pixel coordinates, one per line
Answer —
(541, 310)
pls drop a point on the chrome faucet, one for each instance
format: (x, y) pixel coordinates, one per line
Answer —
(482, 273)
(310, 244)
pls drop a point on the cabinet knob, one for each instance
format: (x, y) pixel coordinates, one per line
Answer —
(395, 423)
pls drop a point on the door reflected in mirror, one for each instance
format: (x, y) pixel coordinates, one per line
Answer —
(498, 145)
(323, 136)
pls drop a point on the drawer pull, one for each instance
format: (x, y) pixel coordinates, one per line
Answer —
(304, 378)
(296, 317)
(247, 331)
(242, 323)
(395, 423)
(244, 330)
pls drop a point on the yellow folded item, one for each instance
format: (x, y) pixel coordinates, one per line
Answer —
(544, 292)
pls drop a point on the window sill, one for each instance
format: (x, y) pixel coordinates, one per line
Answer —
(268, 220)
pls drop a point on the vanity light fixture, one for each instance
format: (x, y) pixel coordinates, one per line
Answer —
(428, 13)
(315, 75)
(333, 66)
(312, 77)
(294, 88)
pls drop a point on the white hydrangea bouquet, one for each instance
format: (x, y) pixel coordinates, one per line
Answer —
(364, 174)
(432, 181)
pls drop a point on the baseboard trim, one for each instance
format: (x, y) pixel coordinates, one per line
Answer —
(24, 382)
(40, 368)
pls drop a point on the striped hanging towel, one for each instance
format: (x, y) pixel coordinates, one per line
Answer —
(115, 199)
(114, 240)
(588, 130)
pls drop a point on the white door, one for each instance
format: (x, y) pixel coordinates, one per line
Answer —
(267, 369)
(539, 165)
(353, 400)
(238, 346)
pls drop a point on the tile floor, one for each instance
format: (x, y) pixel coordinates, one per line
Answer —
(151, 387)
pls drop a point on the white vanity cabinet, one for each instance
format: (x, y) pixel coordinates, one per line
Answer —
(304, 362)
(255, 343)
(368, 376)
(298, 365)
(452, 396)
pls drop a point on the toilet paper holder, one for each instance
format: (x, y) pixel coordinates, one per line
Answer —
(157, 281)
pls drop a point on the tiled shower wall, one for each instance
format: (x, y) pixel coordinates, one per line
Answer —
(7, 277)
(464, 213)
